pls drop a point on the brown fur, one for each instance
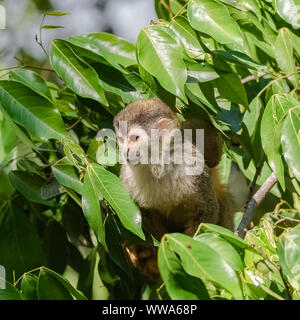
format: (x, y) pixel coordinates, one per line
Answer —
(170, 200)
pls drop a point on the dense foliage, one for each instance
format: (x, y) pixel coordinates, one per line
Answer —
(62, 205)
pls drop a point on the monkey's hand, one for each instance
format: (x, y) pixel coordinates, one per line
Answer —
(145, 260)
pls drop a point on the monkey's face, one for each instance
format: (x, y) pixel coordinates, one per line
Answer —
(140, 129)
(134, 145)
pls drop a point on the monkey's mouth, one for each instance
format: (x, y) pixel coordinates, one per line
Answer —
(136, 159)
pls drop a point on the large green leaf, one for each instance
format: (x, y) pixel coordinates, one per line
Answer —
(66, 175)
(10, 293)
(276, 109)
(91, 195)
(290, 140)
(201, 261)
(162, 56)
(62, 286)
(230, 87)
(130, 87)
(112, 189)
(241, 59)
(289, 10)
(29, 286)
(20, 248)
(188, 38)
(77, 74)
(179, 284)
(224, 233)
(114, 50)
(289, 256)
(213, 18)
(225, 249)
(31, 80)
(49, 288)
(252, 116)
(31, 110)
(201, 72)
(283, 49)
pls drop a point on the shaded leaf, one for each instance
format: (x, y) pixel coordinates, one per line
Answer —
(116, 51)
(290, 140)
(179, 284)
(78, 75)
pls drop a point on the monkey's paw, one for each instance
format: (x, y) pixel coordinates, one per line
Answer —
(145, 260)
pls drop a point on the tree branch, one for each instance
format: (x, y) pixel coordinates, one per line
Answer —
(253, 203)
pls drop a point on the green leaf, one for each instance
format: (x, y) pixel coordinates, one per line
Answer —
(230, 87)
(201, 72)
(224, 233)
(161, 56)
(112, 189)
(78, 75)
(31, 80)
(130, 87)
(29, 185)
(65, 175)
(283, 49)
(176, 6)
(161, 10)
(201, 261)
(204, 92)
(213, 18)
(49, 288)
(250, 5)
(51, 27)
(224, 248)
(10, 293)
(179, 284)
(289, 256)
(188, 38)
(290, 140)
(276, 109)
(116, 51)
(56, 13)
(241, 59)
(31, 110)
(252, 116)
(55, 287)
(91, 195)
(29, 286)
(20, 248)
(289, 10)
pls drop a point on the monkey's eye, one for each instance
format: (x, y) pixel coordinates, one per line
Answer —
(134, 138)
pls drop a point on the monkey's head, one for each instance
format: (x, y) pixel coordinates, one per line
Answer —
(134, 127)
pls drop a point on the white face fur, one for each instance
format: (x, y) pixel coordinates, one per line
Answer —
(138, 147)
(134, 145)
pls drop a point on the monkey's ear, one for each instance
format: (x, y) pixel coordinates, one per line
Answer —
(165, 123)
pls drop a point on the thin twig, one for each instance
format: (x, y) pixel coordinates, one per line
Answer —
(251, 77)
(75, 123)
(286, 219)
(253, 182)
(253, 203)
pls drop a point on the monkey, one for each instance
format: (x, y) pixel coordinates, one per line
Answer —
(171, 198)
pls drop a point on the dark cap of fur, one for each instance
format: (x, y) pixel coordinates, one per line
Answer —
(144, 113)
